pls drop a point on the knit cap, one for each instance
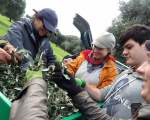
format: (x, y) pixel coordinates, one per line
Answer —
(106, 40)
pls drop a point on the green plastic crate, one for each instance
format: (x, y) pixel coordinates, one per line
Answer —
(5, 106)
(74, 116)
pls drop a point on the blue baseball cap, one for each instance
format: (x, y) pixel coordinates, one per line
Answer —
(49, 18)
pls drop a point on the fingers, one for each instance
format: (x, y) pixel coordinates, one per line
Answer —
(4, 56)
(18, 57)
(9, 48)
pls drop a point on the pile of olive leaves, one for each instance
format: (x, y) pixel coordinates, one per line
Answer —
(12, 79)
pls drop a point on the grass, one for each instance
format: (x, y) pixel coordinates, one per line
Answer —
(5, 21)
(3, 29)
(60, 53)
(4, 25)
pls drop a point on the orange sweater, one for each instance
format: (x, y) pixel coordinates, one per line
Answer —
(106, 76)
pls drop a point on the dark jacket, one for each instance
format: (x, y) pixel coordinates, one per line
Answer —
(23, 35)
(91, 111)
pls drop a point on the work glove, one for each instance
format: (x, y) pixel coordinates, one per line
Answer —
(65, 81)
(80, 23)
(31, 74)
(80, 82)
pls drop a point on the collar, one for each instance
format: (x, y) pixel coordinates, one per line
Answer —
(88, 56)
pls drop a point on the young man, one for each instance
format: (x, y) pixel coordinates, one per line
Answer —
(144, 71)
(97, 66)
(124, 94)
(32, 35)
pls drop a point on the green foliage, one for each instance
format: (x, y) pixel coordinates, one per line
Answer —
(3, 29)
(132, 12)
(13, 9)
(3, 6)
(5, 21)
(59, 103)
(60, 53)
(70, 43)
(136, 10)
(11, 81)
(4, 24)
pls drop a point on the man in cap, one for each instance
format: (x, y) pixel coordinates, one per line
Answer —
(32, 36)
(97, 66)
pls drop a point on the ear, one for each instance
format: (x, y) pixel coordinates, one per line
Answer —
(109, 50)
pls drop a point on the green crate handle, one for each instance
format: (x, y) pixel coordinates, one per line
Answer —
(73, 116)
(5, 106)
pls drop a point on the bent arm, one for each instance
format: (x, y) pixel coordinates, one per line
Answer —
(89, 108)
(97, 94)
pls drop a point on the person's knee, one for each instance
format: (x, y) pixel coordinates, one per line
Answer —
(37, 87)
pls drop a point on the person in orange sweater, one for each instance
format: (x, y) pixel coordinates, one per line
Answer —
(97, 66)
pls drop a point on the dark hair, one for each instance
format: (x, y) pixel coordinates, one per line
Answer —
(36, 15)
(139, 33)
(147, 45)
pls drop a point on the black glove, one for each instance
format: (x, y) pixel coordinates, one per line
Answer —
(65, 81)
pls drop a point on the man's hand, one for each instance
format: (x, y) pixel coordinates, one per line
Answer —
(65, 81)
(9, 48)
(16, 57)
(4, 56)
